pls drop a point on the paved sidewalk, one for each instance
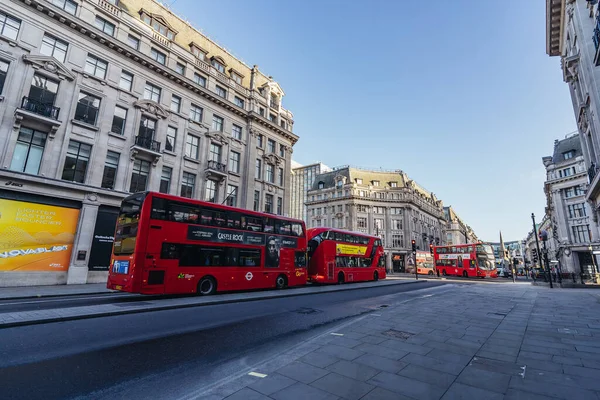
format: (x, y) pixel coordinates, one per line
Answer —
(21, 318)
(469, 342)
(24, 292)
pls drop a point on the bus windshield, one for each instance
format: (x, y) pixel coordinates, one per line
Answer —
(485, 257)
(127, 224)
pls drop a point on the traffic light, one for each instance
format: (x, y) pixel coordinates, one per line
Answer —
(414, 245)
(431, 249)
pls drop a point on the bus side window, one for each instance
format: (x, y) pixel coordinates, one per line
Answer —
(159, 208)
(297, 229)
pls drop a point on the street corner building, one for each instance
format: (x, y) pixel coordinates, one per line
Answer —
(387, 204)
(99, 99)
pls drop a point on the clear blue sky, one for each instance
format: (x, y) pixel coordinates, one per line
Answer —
(459, 94)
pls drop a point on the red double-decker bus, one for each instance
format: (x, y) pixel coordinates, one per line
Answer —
(337, 256)
(466, 260)
(167, 245)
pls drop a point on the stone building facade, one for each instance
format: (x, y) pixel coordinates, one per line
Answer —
(386, 204)
(569, 215)
(100, 98)
(456, 230)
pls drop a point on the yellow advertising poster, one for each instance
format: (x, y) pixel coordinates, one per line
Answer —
(350, 249)
(36, 237)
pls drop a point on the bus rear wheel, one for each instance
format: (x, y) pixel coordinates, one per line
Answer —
(281, 282)
(341, 278)
(430, 273)
(376, 276)
(465, 275)
(207, 286)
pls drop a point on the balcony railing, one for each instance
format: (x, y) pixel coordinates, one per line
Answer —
(217, 166)
(37, 107)
(147, 143)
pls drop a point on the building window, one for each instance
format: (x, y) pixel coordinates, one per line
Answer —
(87, 108)
(393, 184)
(258, 169)
(569, 154)
(375, 183)
(238, 102)
(397, 241)
(191, 146)
(234, 162)
(218, 66)
(397, 224)
(261, 111)
(581, 234)
(171, 138)
(105, 26)
(269, 173)
(211, 190)
(272, 117)
(362, 208)
(42, 94)
(175, 103)
(165, 179)
(119, 119)
(576, 210)
(281, 150)
(196, 113)
(68, 5)
(95, 66)
(9, 26)
(133, 42)
(152, 92)
(396, 210)
(54, 47)
(573, 191)
(215, 153)
(146, 132)
(279, 206)
(110, 170)
(217, 123)
(188, 185)
(237, 78)
(378, 210)
(76, 163)
(220, 91)
(126, 81)
(197, 52)
(269, 203)
(180, 68)
(157, 56)
(200, 80)
(378, 223)
(139, 176)
(259, 141)
(358, 181)
(158, 26)
(339, 184)
(3, 73)
(283, 123)
(256, 205)
(232, 195)
(28, 151)
(271, 146)
(236, 132)
(566, 172)
(280, 176)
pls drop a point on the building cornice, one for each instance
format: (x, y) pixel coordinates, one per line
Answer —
(555, 13)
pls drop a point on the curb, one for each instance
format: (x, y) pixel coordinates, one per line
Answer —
(45, 296)
(191, 305)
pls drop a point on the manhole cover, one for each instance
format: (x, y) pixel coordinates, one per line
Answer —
(307, 311)
(398, 334)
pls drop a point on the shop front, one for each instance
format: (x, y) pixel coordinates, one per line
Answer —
(398, 262)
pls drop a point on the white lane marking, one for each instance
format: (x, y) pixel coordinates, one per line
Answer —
(257, 374)
(375, 315)
(524, 368)
(427, 295)
(337, 334)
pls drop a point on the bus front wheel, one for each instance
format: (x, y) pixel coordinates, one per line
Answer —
(281, 282)
(376, 276)
(207, 286)
(341, 277)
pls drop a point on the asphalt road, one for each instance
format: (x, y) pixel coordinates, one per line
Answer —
(167, 354)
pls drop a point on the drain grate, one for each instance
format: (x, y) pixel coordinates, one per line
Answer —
(306, 310)
(398, 334)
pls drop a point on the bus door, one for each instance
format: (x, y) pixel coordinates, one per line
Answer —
(330, 270)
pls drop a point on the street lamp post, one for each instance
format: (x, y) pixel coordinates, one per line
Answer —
(537, 245)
